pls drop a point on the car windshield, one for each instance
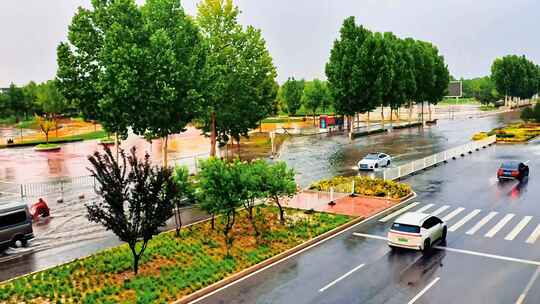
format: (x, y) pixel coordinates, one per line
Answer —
(372, 156)
(405, 228)
(510, 165)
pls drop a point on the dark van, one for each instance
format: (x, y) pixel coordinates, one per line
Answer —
(15, 224)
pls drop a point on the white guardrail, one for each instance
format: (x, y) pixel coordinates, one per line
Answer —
(66, 184)
(432, 160)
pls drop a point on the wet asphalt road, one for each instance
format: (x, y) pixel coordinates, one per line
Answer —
(313, 157)
(469, 268)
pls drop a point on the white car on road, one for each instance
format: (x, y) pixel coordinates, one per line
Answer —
(374, 161)
(416, 230)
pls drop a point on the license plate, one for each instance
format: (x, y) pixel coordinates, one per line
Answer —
(403, 240)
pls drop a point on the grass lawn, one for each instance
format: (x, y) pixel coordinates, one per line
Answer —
(59, 140)
(171, 267)
(460, 101)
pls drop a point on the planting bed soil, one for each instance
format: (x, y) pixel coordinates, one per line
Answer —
(172, 267)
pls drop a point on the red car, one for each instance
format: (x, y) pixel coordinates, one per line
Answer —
(513, 170)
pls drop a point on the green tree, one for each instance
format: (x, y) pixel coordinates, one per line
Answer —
(16, 103)
(346, 71)
(239, 74)
(83, 75)
(219, 193)
(184, 194)
(51, 102)
(137, 198)
(279, 183)
(315, 96)
(440, 80)
(292, 91)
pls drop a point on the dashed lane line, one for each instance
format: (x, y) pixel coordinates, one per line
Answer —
(341, 278)
(423, 291)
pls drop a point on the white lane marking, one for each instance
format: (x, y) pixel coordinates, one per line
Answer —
(452, 214)
(522, 297)
(464, 220)
(524, 222)
(482, 222)
(499, 225)
(440, 210)
(426, 207)
(298, 252)
(532, 238)
(469, 252)
(341, 278)
(400, 211)
(418, 296)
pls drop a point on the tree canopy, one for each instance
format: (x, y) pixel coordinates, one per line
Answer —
(292, 91)
(516, 76)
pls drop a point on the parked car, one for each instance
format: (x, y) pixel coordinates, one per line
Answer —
(416, 230)
(15, 224)
(513, 170)
(374, 160)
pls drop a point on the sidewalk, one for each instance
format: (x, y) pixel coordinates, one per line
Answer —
(344, 204)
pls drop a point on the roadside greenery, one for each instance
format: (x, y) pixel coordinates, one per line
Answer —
(363, 185)
(403, 71)
(516, 76)
(172, 267)
(512, 133)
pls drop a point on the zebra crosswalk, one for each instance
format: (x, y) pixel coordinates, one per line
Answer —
(478, 222)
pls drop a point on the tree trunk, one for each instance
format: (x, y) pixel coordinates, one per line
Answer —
(391, 117)
(178, 221)
(368, 120)
(410, 111)
(422, 113)
(165, 151)
(281, 211)
(117, 140)
(429, 109)
(47, 137)
(382, 116)
(213, 135)
(56, 126)
(213, 221)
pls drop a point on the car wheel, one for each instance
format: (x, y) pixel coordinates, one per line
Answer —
(443, 236)
(388, 164)
(427, 245)
(376, 166)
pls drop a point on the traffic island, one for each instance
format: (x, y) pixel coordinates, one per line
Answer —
(336, 196)
(47, 147)
(515, 133)
(180, 268)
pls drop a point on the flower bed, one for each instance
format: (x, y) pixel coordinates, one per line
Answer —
(364, 185)
(512, 133)
(171, 267)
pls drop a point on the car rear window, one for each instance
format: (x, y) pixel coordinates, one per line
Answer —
(12, 219)
(510, 166)
(405, 228)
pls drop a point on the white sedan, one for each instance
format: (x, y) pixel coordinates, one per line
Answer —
(416, 230)
(374, 161)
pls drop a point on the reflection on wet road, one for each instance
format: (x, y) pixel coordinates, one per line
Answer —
(323, 156)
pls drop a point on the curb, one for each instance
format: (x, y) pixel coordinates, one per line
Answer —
(244, 274)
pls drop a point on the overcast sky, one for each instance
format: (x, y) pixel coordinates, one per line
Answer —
(300, 33)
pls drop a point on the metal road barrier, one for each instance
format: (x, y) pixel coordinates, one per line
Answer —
(9, 191)
(432, 160)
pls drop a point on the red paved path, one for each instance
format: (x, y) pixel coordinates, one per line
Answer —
(353, 206)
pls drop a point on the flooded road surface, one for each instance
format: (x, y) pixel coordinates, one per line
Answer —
(324, 156)
(68, 234)
(24, 165)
